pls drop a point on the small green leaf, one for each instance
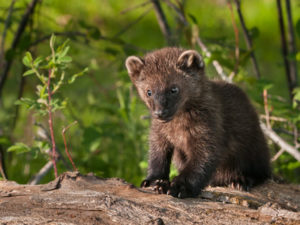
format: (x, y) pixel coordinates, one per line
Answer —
(41, 91)
(52, 40)
(25, 101)
(62, 47)
(57, 86)
(37, 61)
(296, 98)
(65, 59)
(298, 56)
(28, 72)
(42, 101)
(73, 78)
(143, 165)
(19, 148)
(27, 60)
(64, 52)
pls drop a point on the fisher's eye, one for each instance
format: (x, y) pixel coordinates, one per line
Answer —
(149, 93)
(174, 90)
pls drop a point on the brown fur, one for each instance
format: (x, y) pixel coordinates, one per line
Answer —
(209, 128)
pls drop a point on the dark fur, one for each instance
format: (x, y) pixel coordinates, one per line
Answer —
(209, 128)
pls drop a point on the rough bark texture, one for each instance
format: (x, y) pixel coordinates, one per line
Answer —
(78, 199)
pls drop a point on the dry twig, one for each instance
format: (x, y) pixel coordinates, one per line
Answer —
(277, 155)
(135, 7)
(274, 118)
(280, 142)
(265, 94)
(45, 169)
(44, 134)
(65, 143)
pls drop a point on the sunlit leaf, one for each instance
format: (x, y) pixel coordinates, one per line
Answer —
(28, 72)
(19, 148)
(37, 61)
(65, 59)
(73, 78)
(27, 60)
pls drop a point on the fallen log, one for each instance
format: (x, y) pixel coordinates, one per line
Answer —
(73, 198)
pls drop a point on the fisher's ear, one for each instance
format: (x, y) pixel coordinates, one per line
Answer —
(190, 61)
(134, 66)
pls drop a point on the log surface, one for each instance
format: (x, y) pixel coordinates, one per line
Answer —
(85, 199)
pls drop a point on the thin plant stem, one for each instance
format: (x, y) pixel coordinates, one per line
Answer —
(266, 108)
(65, 142)
(50, 121)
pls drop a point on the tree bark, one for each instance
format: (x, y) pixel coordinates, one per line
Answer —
(77, 199)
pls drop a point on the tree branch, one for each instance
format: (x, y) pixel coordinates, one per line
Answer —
(45, 169)
(291, 44)
(284, 49)
(162, 21)
(277, 155)
(6, 25)
(135, 7)
(215, 63)
(132, 23)
(280, 142)
(247, 39)
(236, 35)
(177, 10)
(20, 30)
(265, 94)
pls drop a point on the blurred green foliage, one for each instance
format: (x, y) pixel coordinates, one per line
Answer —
(111, 136)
